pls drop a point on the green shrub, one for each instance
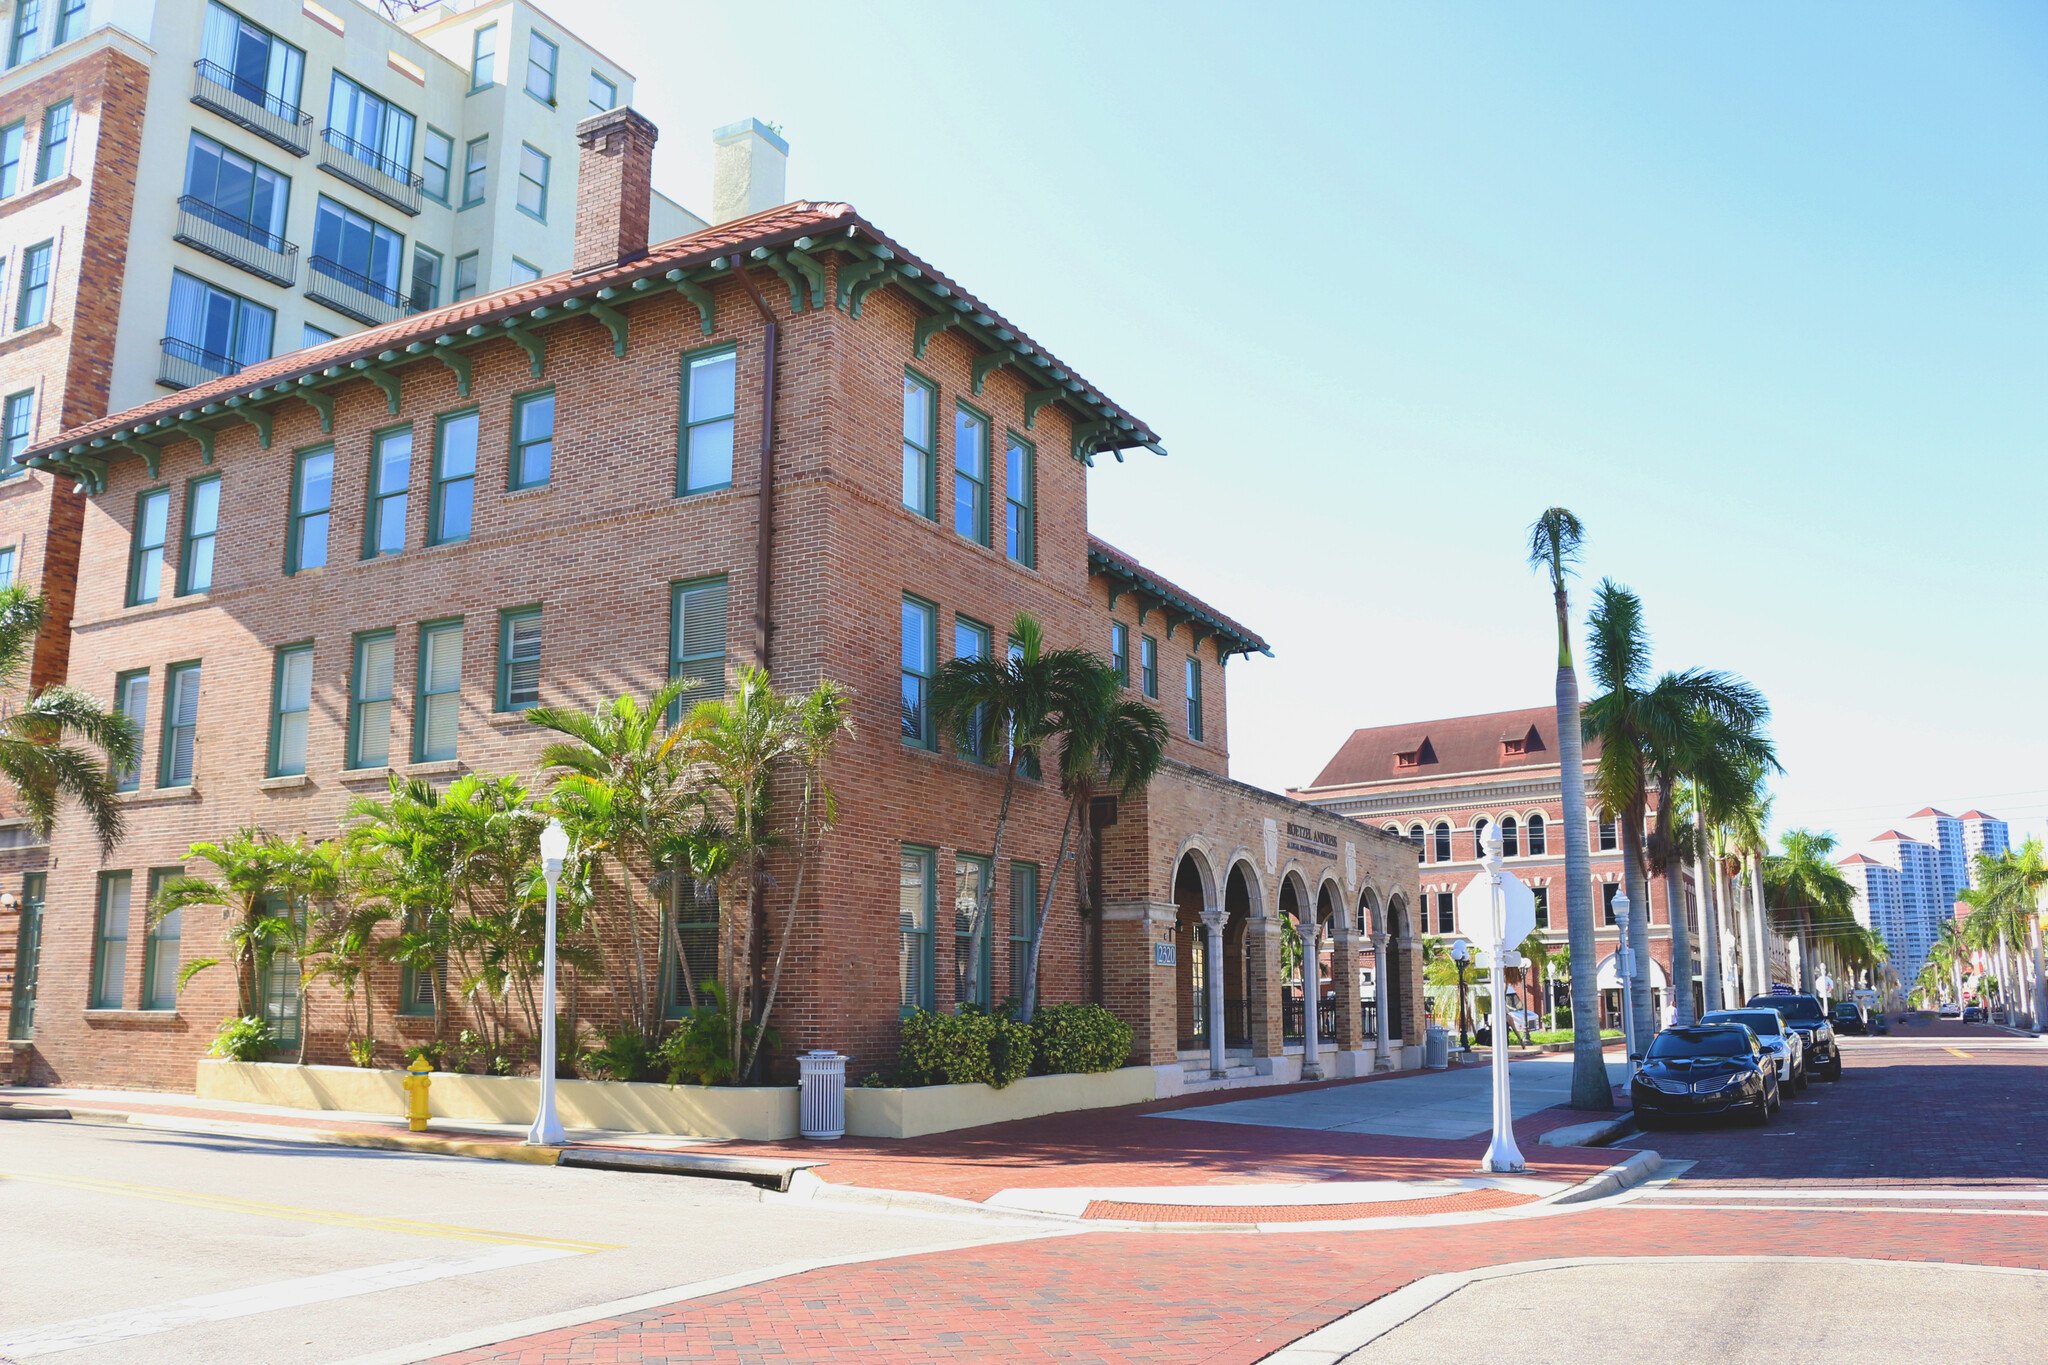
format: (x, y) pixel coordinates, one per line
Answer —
(363, 1051)
(699, 1050)
(435, 1052)
(246, 1039)
(1084, 1038)
(964, 1048)
(623, 1054)
(1565, 1035)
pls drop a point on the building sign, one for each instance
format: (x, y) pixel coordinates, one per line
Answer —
(1302, 839)
(1162, 954)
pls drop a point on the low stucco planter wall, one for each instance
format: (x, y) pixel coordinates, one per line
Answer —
(914, 1111)
(763, 1113)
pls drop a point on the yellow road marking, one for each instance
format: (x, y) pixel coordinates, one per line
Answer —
(1958, 1051)
(331, 1217)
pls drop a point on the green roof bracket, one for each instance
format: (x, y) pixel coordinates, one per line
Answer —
(1086, 437)
(855, 281)
(149, 455)
(811, 270)
(387, 381)
(1035, 400)
(707, 310)
(321, 404)
(92, 472)
(255, 417)
(929, 327)
(789, 277)
(988, 364)
(615, 323)
(535, 348)
(455, 360)
(203, 435)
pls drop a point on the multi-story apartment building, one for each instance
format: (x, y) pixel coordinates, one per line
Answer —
(1945, 833)
(1985, 834)
(784, 441)
(1931, 860)
(1880, 896)
(1441, 783)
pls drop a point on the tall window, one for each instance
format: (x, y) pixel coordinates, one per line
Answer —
(440, 700)
(1536, 835)
(312, 502)
(1510, 837)
(390, 475)
(369, 127)
(465, 276)
(604, 96)
(970, 885)
(252, 61)
(53, 157)
(370, 700)
(236, 193)
(710, 389)
(533, 182)
(1608, 837)
(920, 435)
(519, 659)
(213, 330)
(1442, 852)
(26, 41)
(697, 638)
(357, 252)
(426, 277)
(1607, 894)
(70, 20)
(540, 67)
(1020, 533)
(202, 525)
(1446, 913)
(1479, 836)
(695, 908)
(919, 649)
(32, 305)
(146, 549)
(160, 948)
(970, 641)
(437, 164)
(914, 887)
(454, 477)
(533, 439)
(523, 272)
(476, 156)
(1416, 837)
(131, 703)
(292, 705)
(181, 725)
(970, 475)
(309, 335)
(1023, 912)
(12, 139)
(1120, 651)
(1194, 691)
(1148, 666)
(483, 54)
(7, 557)
(415, 986)
(1542, 895)
(17, 426)
(110, 946)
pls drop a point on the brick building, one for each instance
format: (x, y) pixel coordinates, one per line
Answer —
(1440, 783)
(560, 492)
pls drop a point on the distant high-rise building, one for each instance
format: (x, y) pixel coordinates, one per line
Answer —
(1984, 834)
(1945, 832)
(1880, 898)
(1907, 879)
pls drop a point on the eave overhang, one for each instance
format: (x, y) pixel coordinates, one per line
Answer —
(1156, 594)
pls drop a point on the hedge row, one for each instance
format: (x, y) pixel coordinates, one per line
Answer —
(995, 1049)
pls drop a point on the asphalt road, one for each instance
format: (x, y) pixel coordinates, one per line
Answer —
(297, 1253)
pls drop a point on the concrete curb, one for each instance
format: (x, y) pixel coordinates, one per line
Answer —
(390, 1142)
(1639, 1167)
(770, 1175)
(1598, 1133)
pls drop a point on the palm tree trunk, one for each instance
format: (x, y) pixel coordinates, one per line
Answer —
(1591, 1088)
(1759, 927)
(1030, 1002)
(1635, 877)
(984, 902)
(1674, 901)
(1710, 904)
(796, 895)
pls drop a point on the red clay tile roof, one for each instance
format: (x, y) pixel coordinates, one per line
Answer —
(1461, 744)
(1977, 815)
(1105, 558)
(1894, 834)
(1929, 810)
(1858, 858)
(774, 227)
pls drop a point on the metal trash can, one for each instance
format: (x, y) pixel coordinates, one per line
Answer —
(1436, 1048)
(822, 1111)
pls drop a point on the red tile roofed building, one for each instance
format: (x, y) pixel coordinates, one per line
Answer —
(584, 486)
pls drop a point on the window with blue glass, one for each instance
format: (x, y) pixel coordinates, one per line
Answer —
(252, 61)
(215, 330)
(236, 193)
(369, 128)
(357, 251)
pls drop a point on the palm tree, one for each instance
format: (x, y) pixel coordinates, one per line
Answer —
(2010, 887)
(34, 760)
(1554, 542)
(1808, 892)
(1620, 662)
(1019, 701)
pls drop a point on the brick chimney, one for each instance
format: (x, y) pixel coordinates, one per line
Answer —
(613, 188)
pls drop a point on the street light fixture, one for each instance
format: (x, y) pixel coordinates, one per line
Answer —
(547, 1129)
(1461, 953)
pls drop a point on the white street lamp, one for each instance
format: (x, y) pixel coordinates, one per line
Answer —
(547, 1129)
(1502, 1155)
(1461, 953)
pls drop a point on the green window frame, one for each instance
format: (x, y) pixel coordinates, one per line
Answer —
(17, 425)
(202, 532)
(32, 303)
(28, 953)
(1148, 666)
(483, 56)
(476, 165)
(1194, 697)
(1020, 479)
(972, 640)
(1120, 652)
(533, 441)
(180, 757)
(110, 940)
(915, 893)
(53, 155)
(161, 947)
(291, 709)
(1608, 891)
(8, 554)
(697, 639)
(28, 30)
(524, 271)
(970, 473)
(604, 94)
(920, 444)
(920, 648)
(709, 403)
(693, 911)
(370, 688)
(1023, 914)
(467, 271)
(390, 485)
(312, 508)
(146, 546)
(13, 140)
(426, 277)
(437, 714)
(453, 500)
(971, 878)
(542, 57)
(519, 656)
(535, 166)
(437, 165)
(416, 988)
(131, 702)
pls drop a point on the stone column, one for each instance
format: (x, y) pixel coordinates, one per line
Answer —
(1136, 986)
(1262, 991)
(1212, 969)
(1344, 964)
(1382, 1058)
(1311, 998)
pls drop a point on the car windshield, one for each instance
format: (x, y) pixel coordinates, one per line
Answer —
(1699, 1042)
(1800, 1009)
(1845, 1011)
(1761, 1022)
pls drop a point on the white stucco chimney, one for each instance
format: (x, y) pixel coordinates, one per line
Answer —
(748, 165)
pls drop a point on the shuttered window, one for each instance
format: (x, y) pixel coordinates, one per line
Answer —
(293, 707)
(914, 914)
(181, 725)
(1023, 907)
(440, 692)
(202, 526)
(160, 948)
(146, 555)
(519, 660)
(110, 947)
(131, 703)
(370, 700)
(697, 639)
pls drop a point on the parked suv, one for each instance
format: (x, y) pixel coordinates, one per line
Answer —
(1806, 1014)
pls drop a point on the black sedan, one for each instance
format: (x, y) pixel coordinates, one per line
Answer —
(1702, 1071)
(1849, 1018)
(1806, 1014)
(1973, 1014)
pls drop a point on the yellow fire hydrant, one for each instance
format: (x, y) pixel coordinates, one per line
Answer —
(418, 1077)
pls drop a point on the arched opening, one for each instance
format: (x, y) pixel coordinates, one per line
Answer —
(1237, 1012)
(1369, 961)
(1328, 916)
(1290, 979)
(1479, 836)
(1443, 842)
(1510, 837)
(1191, 951)
(1396, 967)
(1537, 834)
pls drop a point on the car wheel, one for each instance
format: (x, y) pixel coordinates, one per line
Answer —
(1835, 1071)
(1762, 1117)
(1800, 1079)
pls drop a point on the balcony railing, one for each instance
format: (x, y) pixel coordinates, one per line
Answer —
(369, 170)
(227, 237)
(187, 366)
(1292, 1022)
(236, 100)
(370, 302)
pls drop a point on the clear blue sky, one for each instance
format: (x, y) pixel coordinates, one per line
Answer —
(1758, 291)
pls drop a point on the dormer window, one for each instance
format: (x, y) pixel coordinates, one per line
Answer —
(1415, 757)
(1515, 746)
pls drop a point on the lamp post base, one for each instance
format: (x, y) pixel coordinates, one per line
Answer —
(546, 1132)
